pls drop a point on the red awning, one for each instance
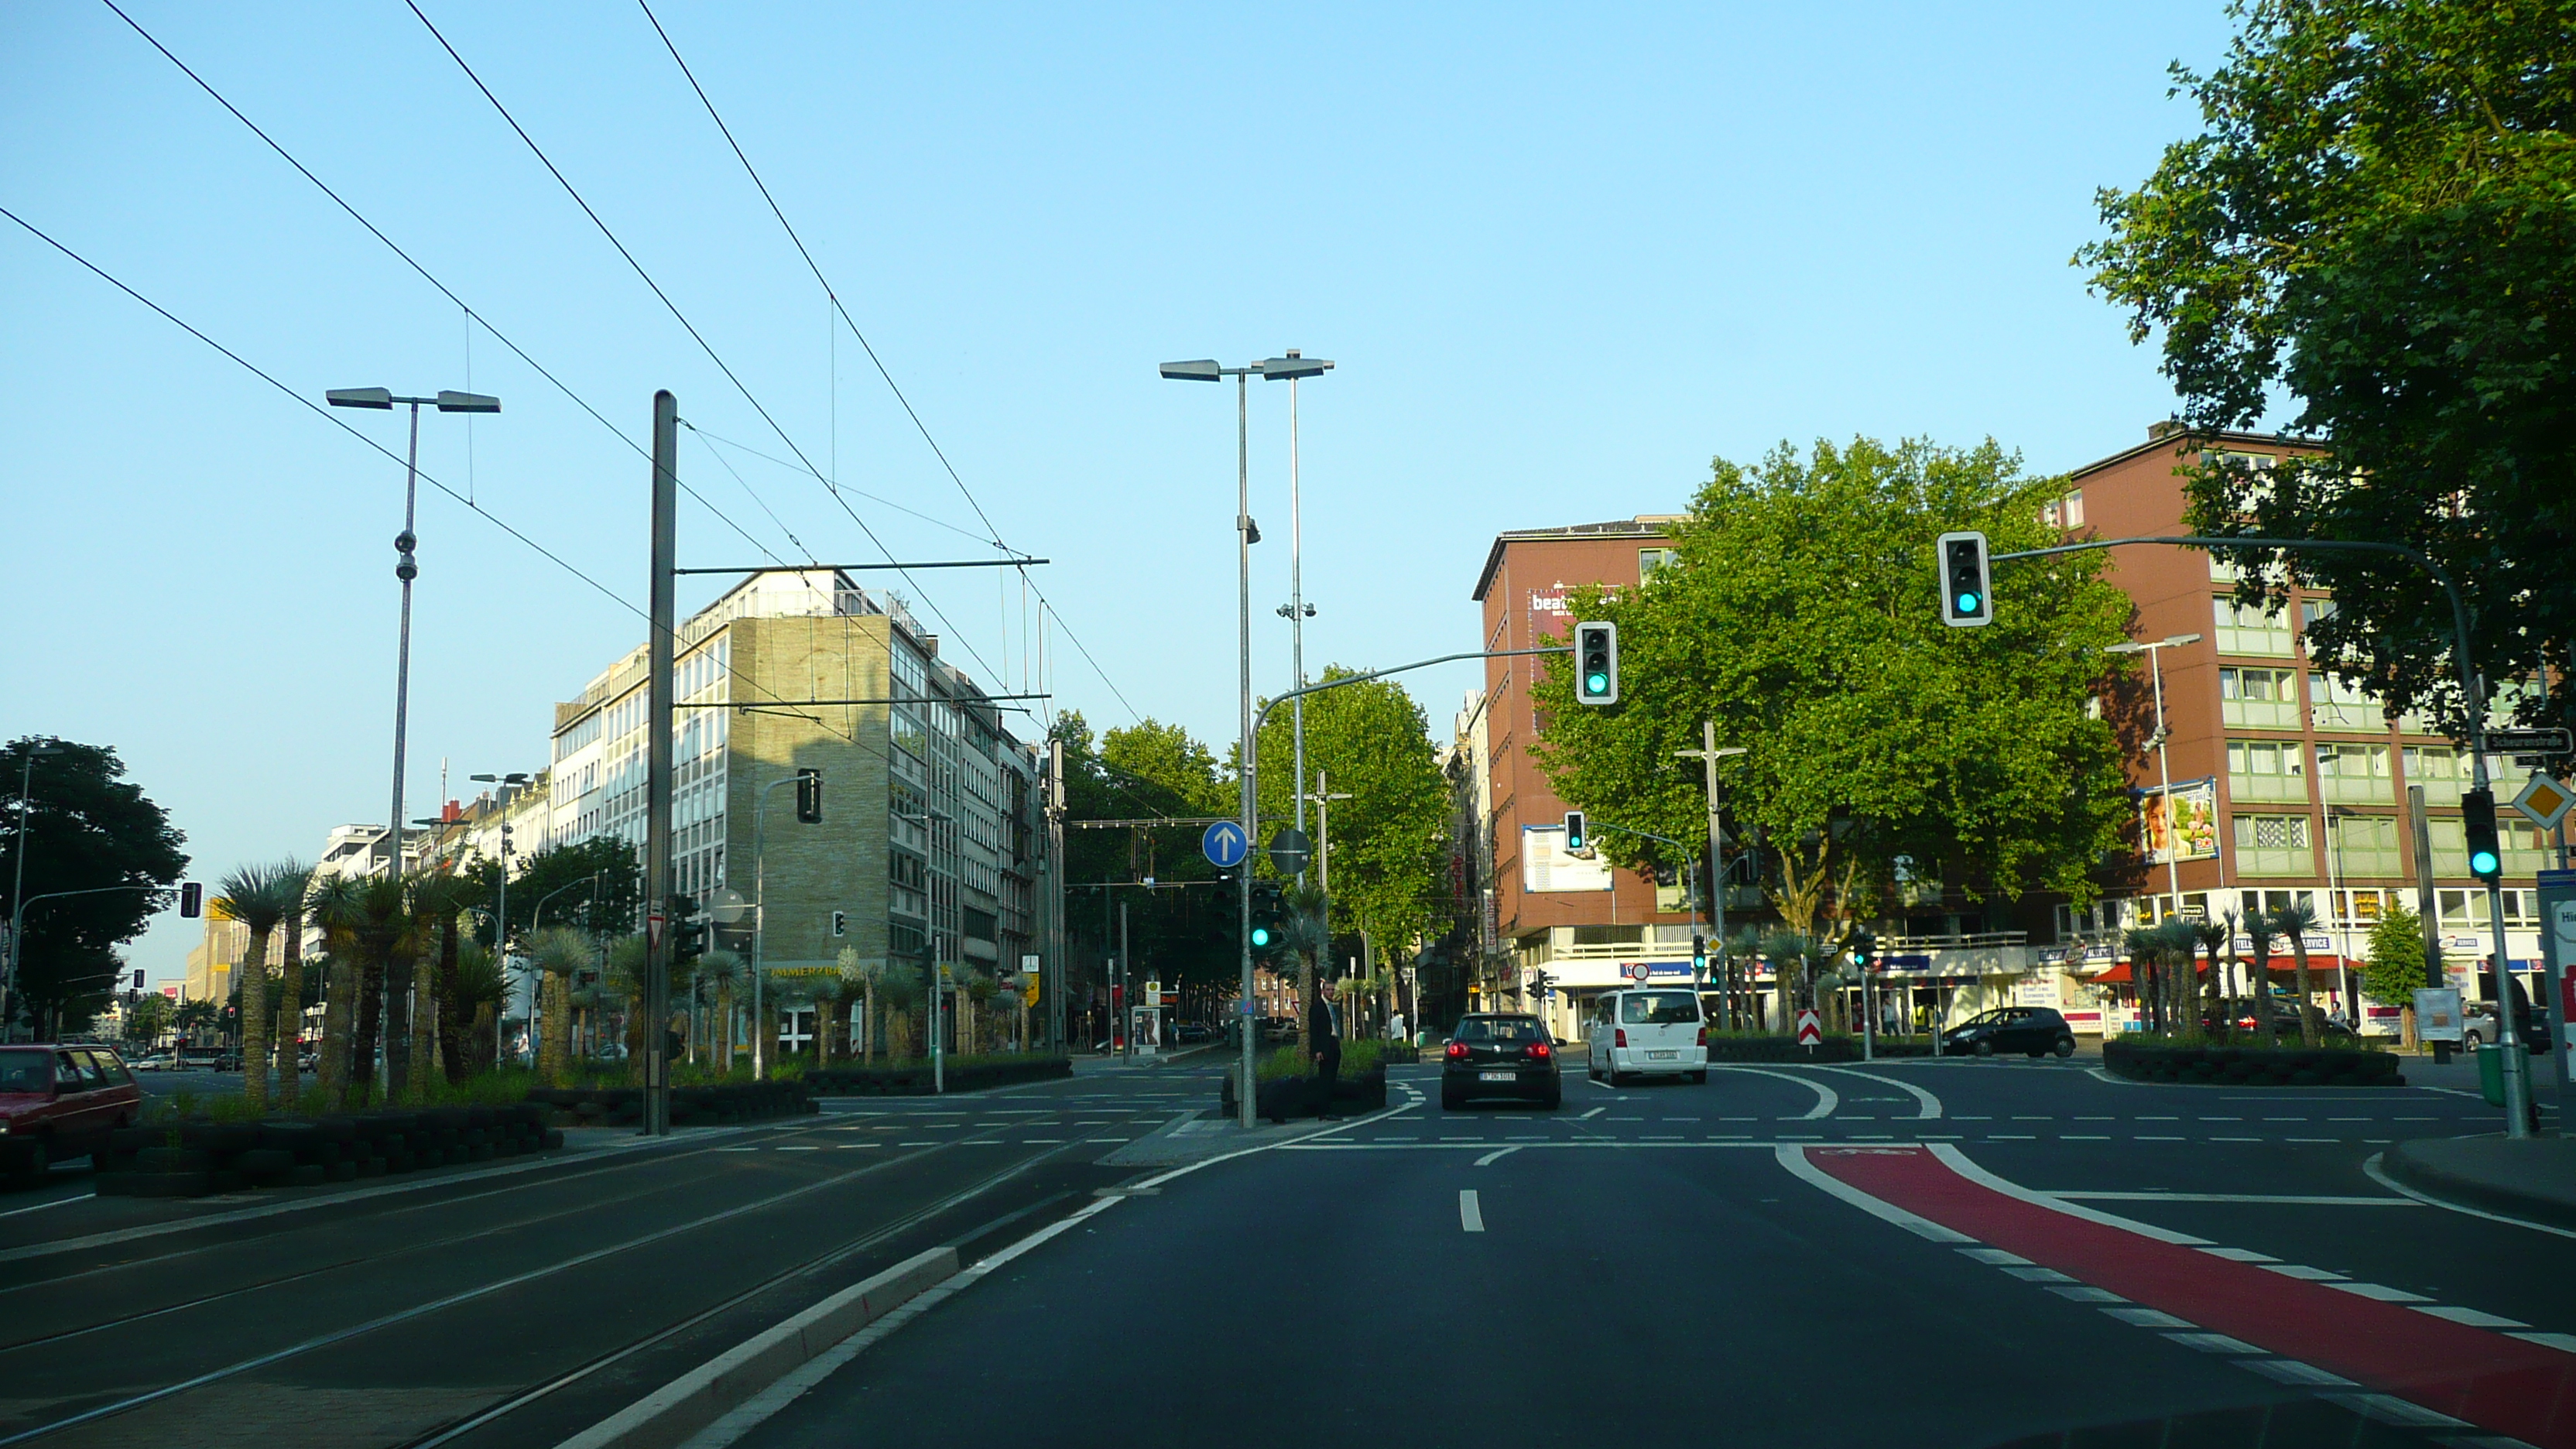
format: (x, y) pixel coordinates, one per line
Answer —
(2120, 975)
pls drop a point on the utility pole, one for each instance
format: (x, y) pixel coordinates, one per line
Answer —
(657, 767)
(1323, 798)
(1708, 754)
(1055, 972)
(1126, 986)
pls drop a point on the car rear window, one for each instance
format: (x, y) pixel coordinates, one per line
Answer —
(1499, 1029)
(25, 1071)
(1659, 1008)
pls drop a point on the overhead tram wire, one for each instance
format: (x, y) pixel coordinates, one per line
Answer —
(834, 296)
(691, 328)
(425, 275)
(771, 458)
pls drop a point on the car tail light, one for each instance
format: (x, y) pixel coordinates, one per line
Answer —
(1621, 1039)
(1457, 1051)
(1703, 1036)
(1538, 1049)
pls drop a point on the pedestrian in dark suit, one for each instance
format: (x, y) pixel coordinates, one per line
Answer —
(1324, 1040)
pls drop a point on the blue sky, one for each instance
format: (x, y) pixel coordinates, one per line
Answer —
(1561, 256)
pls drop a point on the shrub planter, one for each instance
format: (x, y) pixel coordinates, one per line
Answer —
(2251, 1066)
(1281, 1098)
(914, 1080)
(193, 1158)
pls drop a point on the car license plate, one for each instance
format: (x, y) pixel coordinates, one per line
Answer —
(1659, 1056)
(1496, 1076)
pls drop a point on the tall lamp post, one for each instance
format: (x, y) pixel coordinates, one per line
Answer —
(1296, 611)
(1246, 534)
(18, 888)
(406, 568)
(2164, 775)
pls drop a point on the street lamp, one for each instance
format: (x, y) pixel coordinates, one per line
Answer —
(18, 887)
(406, 568)
(2164, 775)
(1297, 611)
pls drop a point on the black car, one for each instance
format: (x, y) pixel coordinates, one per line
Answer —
(2034, 1030)
(2241, 1015)
(1500, 1054)
(1192, 1033)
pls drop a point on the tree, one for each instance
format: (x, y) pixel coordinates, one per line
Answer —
(558, 952)
(439, 900)
(148, 1018)
(294, 883)
(563, 873)
(2395, 968)
(1186, 934)
(258, 897)
(2259, 934)
(1800, 616)
(1389, 843)
(2379, 217)
(86, 829)
(2295, 921)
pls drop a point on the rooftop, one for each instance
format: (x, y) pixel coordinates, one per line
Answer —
(1644, 525)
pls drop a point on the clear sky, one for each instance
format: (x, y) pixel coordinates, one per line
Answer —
(1562, 256)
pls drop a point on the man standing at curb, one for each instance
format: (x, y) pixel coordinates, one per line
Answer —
(1324, 1039)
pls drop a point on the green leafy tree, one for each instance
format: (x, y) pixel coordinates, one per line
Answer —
(1187, 931)
(1389, 842)
(1800, 616)
(86, 828)
(2394, 968)
(2379, 219)
(563, 873)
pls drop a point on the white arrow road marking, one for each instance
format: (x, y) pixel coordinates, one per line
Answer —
(1489, 1157)
(1471, 1218)
(1826, 1101)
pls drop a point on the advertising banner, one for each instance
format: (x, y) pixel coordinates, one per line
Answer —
(1547, 866)
(2182, 823)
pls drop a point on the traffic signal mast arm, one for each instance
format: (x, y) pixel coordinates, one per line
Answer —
(2517, 1080)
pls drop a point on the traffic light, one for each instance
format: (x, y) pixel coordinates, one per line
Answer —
(688, 930)
(192, 900)
(1577, 836)
(1864, 947)
(2486, 852)
(1266, 910)
(809, 797)
(1699, 957)
(1967, 596)
(1596, 662)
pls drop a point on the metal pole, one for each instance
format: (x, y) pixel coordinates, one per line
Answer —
(1127, 981)
(501, 937)
(397, 1009)
(2164, 780)
(18, 892)
(1055, 867)
(1251, 822)
(2425, 899)
(2334, 917)
(1297, 609)
(657, 767)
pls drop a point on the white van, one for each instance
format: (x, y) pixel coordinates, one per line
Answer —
(1647, 1031)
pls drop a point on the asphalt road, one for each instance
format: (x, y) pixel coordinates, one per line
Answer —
(1928, 1253)
(518, 1304)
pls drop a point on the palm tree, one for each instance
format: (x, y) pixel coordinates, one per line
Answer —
(2146, 948)
(1304, 928)
(557, 952)
(723, 971)
(1742, 953)
(479, 986)
(294, 880)
(862, 977)
(439, 901)
(257, 896)
(2258, 935)
(2295, 920)
(2211, 938)
(1788, 952)
(2227, 988)
(333, 906)
(626, 961)
(368, 919)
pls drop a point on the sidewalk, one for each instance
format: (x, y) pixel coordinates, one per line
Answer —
(2534, 1178)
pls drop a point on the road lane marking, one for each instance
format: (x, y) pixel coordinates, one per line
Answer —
(1595, 1112)
(1489, 1159)
(1826, 1100)
(2288, 1199)
(1471, 1218)
(2370, 1167)
(1926, 1106)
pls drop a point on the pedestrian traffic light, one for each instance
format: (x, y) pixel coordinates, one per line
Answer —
(2486, 852)
(1967, 599)
(192, 900)
(1577, 836)
(1596, 662)
(809, 797)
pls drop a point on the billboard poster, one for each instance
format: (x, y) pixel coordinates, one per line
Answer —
(2180, 823)
(1547, 866)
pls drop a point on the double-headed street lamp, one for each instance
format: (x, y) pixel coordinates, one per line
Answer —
(2164, 776)
(18, 887)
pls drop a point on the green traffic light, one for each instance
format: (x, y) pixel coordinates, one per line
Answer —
(1261, 935)
(1967, 603)
(1596, 682)
(2485, 862)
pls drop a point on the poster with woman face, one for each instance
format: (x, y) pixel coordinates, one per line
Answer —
(2181, 824)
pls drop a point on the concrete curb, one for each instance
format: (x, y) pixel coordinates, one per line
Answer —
(679, 1409)
(2408, 1163)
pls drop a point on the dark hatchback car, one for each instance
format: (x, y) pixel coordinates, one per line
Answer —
(59, 1101)
(2032, 1030)
(1499, 1055)
(2244, 1014)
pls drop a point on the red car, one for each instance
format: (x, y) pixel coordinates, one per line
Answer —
(60, 1101)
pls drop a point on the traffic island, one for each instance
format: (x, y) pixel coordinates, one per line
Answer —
(1277, 1099)
(195, 1158)
(2533, 1178)
(2252, 1066)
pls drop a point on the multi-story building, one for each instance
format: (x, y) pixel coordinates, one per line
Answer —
(930, 846)
(213, 959)
(2286, 786)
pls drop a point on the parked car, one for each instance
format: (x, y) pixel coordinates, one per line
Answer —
(2245, 1014)
(1494, 1054)
(59, 1101)
(155, 1062)
(1192, 1033)
(2478, 1026)
(1647, 1032)
(2032, 1030)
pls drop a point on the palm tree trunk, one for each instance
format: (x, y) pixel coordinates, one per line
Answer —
(868, 1030)
(254, 1010)
(290, 1007)
(451, 1004)
(332, 1066)
(424, 1023)
(557, 1026)
(371, 1007)
(2308, 1032)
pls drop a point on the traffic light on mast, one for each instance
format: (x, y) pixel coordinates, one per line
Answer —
(1578, 835)
(1265, 916)
(809, 797)
(1596, 662)
(1967, 595)
(2486, 851)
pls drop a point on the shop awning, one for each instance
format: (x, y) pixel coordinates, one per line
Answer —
(2121, 975)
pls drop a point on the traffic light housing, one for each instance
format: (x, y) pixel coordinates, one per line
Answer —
(1596, 662)
(1967, 586)
(809, 797)
(1578, 836)
(1266, 911)
(688, 932)
(2486, 850)
(192, 900)
(1699, 957)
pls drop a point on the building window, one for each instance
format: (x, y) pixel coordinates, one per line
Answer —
(2273, 845)
(2248, 629)
(2264, 699)
(2340, 706)
(1652, 560)
(2363, 845)
(2355, 774)
(2267, 770)
(2441, 770)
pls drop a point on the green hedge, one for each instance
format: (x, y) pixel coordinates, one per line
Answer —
(960, 1074)
(2251, 1066)
(192, 1158)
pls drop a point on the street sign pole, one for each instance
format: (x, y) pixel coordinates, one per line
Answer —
(657, 765)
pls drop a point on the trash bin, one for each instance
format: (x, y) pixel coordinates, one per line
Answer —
(2491, 1075)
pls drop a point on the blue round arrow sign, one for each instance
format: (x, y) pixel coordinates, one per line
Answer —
(1224, 844)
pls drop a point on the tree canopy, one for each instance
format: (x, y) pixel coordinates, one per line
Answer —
(2379, 218)
(86, 827)
(1801, 616)
(563, 872)
(1389, 840)
(1186, 929)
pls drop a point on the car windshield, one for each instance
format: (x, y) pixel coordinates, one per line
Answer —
(25, 1071)
(1658, 1008)
(1499, 1029)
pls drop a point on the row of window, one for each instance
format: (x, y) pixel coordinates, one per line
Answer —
(2350, 907)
